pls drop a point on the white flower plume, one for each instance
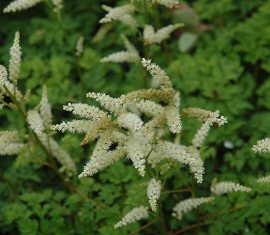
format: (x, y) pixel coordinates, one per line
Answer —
(15, 59)
(262, 146)
(166, 3)
(264, 180)
(201, 134)
(45, 108)
(122, 130)
(35, 121)
(189, 204)
(19, 5)
(3, 76)
(150, 36)
(153, 193)
(122, 13)
(227, 187)
(131, 55)
(134, 215)
(9, 143)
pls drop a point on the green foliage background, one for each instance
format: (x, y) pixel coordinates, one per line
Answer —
(227, 68)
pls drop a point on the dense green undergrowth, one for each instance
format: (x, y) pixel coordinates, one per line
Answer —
(227, 67)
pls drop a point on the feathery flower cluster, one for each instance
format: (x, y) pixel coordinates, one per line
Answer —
(35, 121)
(262, 146)
(202, 133)
(150, 36)
(159, 76)
(45, 108)
(227, 187)
(19, 5)
(202, 114)
(8, 83)
(131, 55)
(122, 13)
(136, 143)
(166, 3)
(180, 153)
(9, 143)
(116, 125)
(187, 205)
(264, 180)
(134, 215)
(3, 76)
(153, 193)
(40, 118)
(15, 59)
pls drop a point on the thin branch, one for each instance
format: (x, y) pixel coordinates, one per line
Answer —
(214, 215)
(144, 227)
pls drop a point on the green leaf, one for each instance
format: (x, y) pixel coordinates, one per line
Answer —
(28, 226)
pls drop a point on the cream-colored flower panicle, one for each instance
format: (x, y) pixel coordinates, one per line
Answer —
(264, 180)
(182, 154)
(9, 143)
(3, 76)
(8, 84)
(153, 193)
(85, 111)
(103, 156)
(130, 121)
(159, 76)
(121, 131)
(131, 55)
(19, 5)
(189, 204)
(136, 149)
(150, 36)
(227, 187)
(150, 108)
(15, 59)
(35, 121)
(122, 13)
(196, 164)
(45, 108)
(262, 146)
(166, 3)
(202, 133)
(199, 113)
(173, 119)
(134, 215)
(74, 126)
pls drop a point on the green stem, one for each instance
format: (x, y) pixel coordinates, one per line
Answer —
(162, 220)
(145, 12)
